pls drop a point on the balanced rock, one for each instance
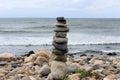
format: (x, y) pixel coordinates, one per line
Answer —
(60, 40)
(61, 29)
(61, 34)
(60, 18)
(62, 46)
(61, 24)
(58, 69)
(59, 52)
(58, 57)
(74, 77)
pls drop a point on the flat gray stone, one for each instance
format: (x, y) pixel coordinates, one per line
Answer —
(45, 70)
(58, 57)
(59, 52)
(61, 24)
(60, 40)
(61, 34)
(61, 29)
(62, 46)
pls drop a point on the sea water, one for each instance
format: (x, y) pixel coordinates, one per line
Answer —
(20, 35)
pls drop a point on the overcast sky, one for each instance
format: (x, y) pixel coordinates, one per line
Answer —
(66, 8)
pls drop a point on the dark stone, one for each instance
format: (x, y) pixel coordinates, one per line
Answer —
(60, 18)
(59, 52)
(60, 40)
(45, 70)
(83, 55)
(108, 47)
(61, 34)
(62, 46)
(112, 54)
(14, 65)
(61, 29)
(3, 63)
(29, 53)
(62, 21)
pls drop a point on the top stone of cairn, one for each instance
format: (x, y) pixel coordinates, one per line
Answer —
(61, 20)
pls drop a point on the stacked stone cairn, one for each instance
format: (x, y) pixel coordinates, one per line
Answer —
(60, 49)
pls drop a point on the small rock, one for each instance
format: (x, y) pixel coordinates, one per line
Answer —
(29, 53)
(31, 58)
(99, 62)
(7, 57)
(96, 61)
(45, 70)
(84, 58)
(44, 53)
(106, 72)
(61, 35)
(110, 77)
(89, 78)
(118, 64)
(40, 60)
(104, 57)
(115, 61)
(32, 78)
(86, 67)
(112, 54)
(26, 78)
(60, 40)
(37, 68)
(83, 55)
(50, 77)
(58, 69)
(59, 52)
(74, 77)
(71, 67)
(3, 63)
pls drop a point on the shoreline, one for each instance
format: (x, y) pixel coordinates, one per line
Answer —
(19, 50)
(36, 66)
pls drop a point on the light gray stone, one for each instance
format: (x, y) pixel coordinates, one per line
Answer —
(61, 29)
(71, 67)
(58, 69)
(61, 34)
(60, 40)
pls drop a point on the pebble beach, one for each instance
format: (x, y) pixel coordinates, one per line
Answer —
(36, 66)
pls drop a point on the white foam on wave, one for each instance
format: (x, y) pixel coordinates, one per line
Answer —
(24, 41)
(74, 39)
